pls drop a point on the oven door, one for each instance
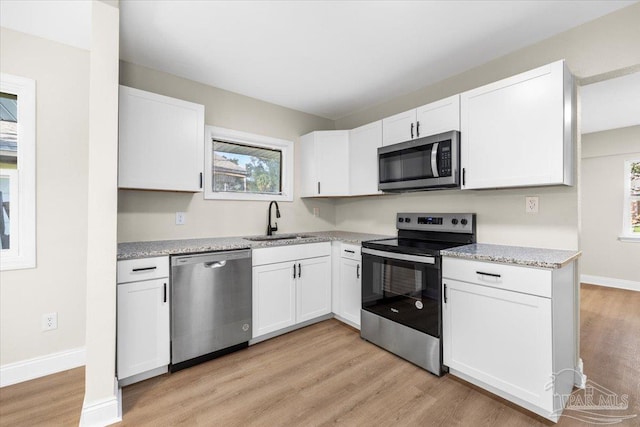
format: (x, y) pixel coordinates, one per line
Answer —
(404, 288)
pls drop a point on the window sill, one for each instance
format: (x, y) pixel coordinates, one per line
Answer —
(629, 239)
(248, 196)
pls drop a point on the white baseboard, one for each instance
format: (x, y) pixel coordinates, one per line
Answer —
(25, 370)
(610, 282)
(104, 412)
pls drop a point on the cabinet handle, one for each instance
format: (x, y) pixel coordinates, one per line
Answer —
(143, 269)
(299, 271)
(487, 274)
(318, 187)
(445, 293)
(411, 130)
(200, 179)
(358, 271)
(294, 271)
(464, 173)
(349, 251)
(165, 292)
(417, 129)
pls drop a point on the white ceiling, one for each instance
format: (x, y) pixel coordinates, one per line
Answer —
(64, 21)
(610, 104)
(333, 58)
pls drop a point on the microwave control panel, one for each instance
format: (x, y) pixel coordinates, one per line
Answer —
(444, 154)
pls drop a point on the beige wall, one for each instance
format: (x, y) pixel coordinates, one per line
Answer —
(57, 284)
(607, 44)
(603, 158)
(150, 215)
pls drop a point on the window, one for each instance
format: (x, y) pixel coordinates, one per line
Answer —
(17, 172)
(631, 220)
(245, 166)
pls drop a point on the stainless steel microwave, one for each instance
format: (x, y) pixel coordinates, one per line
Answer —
(426, 163)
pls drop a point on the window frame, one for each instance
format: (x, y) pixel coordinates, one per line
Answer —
(23, 254)
(627, 235)
(254, 140)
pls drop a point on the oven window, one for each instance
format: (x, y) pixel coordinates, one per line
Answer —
(402, 280)
(403, 291)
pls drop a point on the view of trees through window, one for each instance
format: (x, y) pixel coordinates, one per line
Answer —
(246, 169)
(634, 196)
(8, 162)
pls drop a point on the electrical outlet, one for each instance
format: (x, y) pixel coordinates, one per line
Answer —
(49, 321)
(316, 211)
(181, 218)
(532, 204)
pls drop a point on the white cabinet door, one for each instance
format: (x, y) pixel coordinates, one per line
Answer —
(313, 288)
(324, 163)
(501, 338)
(363, 159)
(161, 142)
(274, 302)
(517, 131)
(437, 117)
(332, 157)
(399, 127)
(350, 291)
(143, 327)
(308, 169)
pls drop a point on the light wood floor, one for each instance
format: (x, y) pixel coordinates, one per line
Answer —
(325, 374)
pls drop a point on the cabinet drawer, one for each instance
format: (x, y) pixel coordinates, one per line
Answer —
(134, 270)
(350, 251)
(528, 280)
(272, 255)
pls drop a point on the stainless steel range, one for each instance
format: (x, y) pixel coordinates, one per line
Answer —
(402, 285)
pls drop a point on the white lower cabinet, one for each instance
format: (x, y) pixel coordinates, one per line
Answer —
(143, 342)
(348, 289)
(517, 345)
(274, 297)
(291, 285)
(313, 291)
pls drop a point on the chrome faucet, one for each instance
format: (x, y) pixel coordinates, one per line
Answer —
(271, 229)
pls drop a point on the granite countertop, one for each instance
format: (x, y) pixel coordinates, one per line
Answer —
(530, 257)
(132, 250)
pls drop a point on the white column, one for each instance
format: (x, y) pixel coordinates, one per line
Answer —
(101, 401)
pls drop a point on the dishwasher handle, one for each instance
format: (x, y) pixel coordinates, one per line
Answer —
(215, 264)
(211, 259)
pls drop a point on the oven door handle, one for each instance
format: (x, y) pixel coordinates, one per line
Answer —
(402, 257)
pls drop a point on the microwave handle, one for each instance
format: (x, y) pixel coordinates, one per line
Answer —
(434, 160)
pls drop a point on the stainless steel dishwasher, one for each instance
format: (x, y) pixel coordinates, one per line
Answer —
(210, 306)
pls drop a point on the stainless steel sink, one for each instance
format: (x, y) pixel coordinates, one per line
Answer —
(278, 237)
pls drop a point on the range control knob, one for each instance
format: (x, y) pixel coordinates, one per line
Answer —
(454, 221)
(463, 221)
(407, 220)
(400, 219)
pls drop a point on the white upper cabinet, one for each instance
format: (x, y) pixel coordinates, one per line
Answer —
(518, 131)
(437, 117)
(431, 119)
(324, 161)
(363, 159)
(161, 142)
(399, 127)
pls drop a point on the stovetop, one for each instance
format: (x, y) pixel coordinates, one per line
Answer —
(411, 246)
(428, 234)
